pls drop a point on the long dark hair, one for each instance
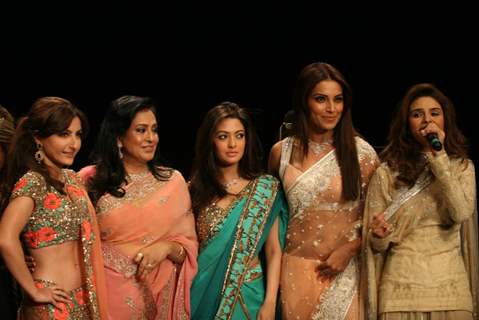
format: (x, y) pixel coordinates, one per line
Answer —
(48, 116)
(7, 129)
(110, 172)
(344, 133)
(403, 151)
(205, 186)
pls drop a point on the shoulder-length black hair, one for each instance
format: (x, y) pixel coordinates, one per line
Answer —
(205, 186)
(403, 151)
(110, 172)
(47, 116)
(344, 133)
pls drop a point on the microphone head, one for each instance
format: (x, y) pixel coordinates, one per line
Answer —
(434, 141)
(289, 116)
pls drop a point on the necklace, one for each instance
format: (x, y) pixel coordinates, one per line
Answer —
(134, 177)
(231, 183)
(319, 147)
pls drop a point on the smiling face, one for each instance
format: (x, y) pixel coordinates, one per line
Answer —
(423, 111)
(326, 105)
(141, 139)
(229, 141)
(61, 148)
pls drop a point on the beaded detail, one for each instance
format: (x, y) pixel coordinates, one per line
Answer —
(56, 217)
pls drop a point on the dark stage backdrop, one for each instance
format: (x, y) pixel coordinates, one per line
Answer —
(191, 56)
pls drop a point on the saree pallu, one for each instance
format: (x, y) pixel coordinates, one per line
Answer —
(150, 211)
(320, 223)
(230, 283)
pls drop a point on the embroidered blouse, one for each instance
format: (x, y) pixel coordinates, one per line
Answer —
(56, 217)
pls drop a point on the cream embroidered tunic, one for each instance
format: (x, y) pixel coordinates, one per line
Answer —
(423, 269)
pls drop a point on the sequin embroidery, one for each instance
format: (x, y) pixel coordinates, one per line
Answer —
(56, 217)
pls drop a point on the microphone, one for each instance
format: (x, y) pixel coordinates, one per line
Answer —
(434, 141)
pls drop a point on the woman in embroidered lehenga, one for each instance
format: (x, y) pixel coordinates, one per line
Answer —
(49, 208)
(325, 168)
(421, 205)
(144, 213)
(241, 221)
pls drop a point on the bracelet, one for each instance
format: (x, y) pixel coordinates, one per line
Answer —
(182, 250)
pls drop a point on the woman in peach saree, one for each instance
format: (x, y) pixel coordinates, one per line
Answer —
(325, 168)
(144, 213)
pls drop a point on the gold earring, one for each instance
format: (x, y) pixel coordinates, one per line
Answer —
(120, 145)
(39, 154)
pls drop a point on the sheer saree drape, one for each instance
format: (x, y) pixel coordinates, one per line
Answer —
(321, 222)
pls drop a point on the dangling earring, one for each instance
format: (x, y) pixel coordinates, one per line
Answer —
(120, 145)
(39, 155)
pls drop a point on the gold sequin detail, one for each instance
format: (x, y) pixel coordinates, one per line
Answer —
(210, 219)
(138, 189)
(56, 217)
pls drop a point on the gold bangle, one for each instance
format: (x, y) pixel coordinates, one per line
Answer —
(182, 250)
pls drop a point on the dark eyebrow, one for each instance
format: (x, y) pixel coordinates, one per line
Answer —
(224, 131)
(416, 109)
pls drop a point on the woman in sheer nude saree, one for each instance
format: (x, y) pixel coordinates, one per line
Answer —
(325, 168)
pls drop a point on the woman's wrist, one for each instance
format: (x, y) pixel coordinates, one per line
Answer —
(176, 250)
(32, 292)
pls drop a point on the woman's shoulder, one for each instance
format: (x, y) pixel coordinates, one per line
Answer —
(172, 173)
(30, 183)
(364, 147)
(462, 164)
(267, 178)
(278, 146)
(385, 172)
(32, 177)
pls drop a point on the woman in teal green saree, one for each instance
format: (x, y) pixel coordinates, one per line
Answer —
(241, 221)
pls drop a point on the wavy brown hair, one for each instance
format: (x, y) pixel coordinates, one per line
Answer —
(344, 132)
(7, 129)
(47, 116)
(403, 152)
(205, 185)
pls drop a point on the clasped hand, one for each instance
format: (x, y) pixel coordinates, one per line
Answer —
(379, 227)
(150, 257)
(336, 262)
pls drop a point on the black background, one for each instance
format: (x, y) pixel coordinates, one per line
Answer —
(190, 56)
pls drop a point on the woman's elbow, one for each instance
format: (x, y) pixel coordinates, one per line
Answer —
(6, 243)
(273, 252)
